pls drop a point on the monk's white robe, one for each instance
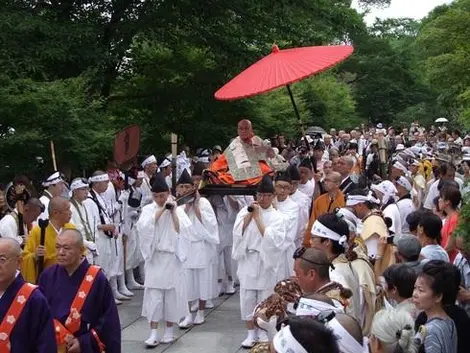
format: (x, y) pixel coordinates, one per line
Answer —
(130, 215)
(203, 238)
(146, 189)
(392, 211)
(308, 189)
(258, 257)
(304, 214)
(345, 275)
(291, 211)
(114, 210)
(104, 244)
(164, 251)
(82, 219)
(9, 227)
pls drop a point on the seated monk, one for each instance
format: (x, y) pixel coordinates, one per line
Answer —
(244, 160)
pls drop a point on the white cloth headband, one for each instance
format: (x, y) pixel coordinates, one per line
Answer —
(319, 230)
(353, 200)
(98, 178)
(312, 307)
(347, 343)
(400, 166)
(78, 184)
(404, 182)
(285, 342)
(203, 159)
(52, 180)
(388, 190)
(149, 160)
(166, 162)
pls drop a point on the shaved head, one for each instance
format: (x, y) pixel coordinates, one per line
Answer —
(75, 234)
(245, 130)
(58, 204)
(10, 246)
(315, 259)
(245, 122)
(335, 176)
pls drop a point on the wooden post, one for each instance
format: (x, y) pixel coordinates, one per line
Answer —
(174, 153)
(54, 163)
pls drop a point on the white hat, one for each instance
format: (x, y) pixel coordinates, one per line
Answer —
(400, 147)
(387, 188)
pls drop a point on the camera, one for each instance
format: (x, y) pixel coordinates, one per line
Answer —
(250, 209)
(169, 206)
(390, 239)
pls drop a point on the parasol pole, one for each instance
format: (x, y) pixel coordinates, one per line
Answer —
(174, 151)
(54, 163)
(298, 117)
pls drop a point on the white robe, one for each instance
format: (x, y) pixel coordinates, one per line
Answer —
(45, 201)
(146, 189)
(114, 210)
(258, 256)
(130, 215)
(76, 220)
(393, 213)
(345, 275)
(164, 251)
(291, 211)
(405, 206)
(203, 239)
(308, 189)
(105, 245)
(9, 228)
(304, 214)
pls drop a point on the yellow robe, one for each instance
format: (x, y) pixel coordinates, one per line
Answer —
(29, 268)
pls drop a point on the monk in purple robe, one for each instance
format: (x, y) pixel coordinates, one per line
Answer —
(30, 327)
(98, 327)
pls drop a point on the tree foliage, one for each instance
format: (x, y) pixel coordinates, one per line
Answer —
(76, 72)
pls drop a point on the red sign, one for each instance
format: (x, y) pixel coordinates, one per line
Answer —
(126, 144)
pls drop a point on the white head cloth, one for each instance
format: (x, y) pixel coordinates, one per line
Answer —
(347, 343)
(52, 180)
(166, 162)
(400, 147)
(312, 307)
(416, 163)
(149, 160)
(353, 200)
(285, 342)
(402, 181)
(78, 183)
(320, 230)
(98, 178)
(387, 188)
(400, 166)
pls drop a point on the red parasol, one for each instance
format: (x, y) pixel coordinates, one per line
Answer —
(281, 68)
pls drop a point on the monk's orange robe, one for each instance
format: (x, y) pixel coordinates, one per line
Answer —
(322, 204)
(220, 168)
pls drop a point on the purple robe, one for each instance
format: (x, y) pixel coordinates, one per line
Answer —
(35, 322)
(99, 311)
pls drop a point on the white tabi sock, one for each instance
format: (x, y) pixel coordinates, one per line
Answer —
(169, 331)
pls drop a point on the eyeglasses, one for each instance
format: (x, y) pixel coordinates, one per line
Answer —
(300, 251)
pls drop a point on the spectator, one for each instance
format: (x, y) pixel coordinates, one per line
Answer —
(429, 235)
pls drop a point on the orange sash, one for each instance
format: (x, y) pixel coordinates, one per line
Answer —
(66, 332)
(13, 314)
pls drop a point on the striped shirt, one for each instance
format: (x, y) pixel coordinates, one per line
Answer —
(441, 336)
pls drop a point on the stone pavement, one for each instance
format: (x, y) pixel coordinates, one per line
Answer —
(222, 332)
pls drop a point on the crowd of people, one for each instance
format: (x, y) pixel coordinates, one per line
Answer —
(332, 254)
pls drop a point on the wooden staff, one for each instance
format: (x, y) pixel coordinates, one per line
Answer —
(54, 162)
(174, 151)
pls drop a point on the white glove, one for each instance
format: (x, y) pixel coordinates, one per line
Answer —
(268, 326)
